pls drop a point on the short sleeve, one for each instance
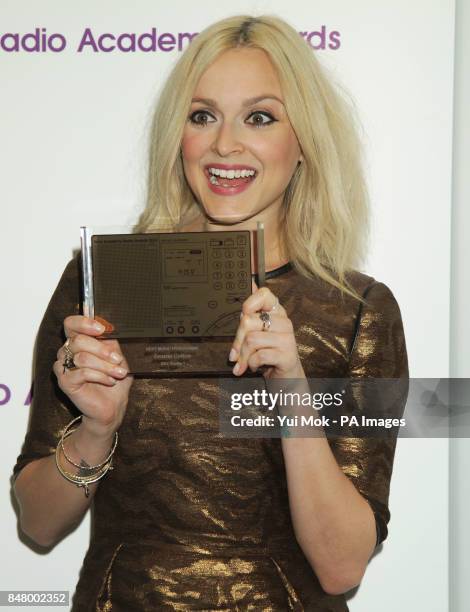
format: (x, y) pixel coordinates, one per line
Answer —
(378, 351)
(51, 410)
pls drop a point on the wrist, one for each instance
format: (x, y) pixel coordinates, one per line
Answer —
(294, 374)
(88, 446)
(298, 370)
(95, 432)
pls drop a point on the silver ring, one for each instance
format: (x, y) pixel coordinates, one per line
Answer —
(266, 318)
(68, 363)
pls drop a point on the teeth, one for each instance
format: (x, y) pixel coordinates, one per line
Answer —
(214, 180)
(230, 174)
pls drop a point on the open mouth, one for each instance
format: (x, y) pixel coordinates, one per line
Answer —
(221, 179)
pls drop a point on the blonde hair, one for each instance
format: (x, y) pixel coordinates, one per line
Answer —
(325, 223)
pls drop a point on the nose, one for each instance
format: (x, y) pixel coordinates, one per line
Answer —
(227, 141)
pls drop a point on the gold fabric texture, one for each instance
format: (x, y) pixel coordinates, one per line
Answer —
(192, 520)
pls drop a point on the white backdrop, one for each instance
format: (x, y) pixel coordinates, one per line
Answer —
(459, 569)
(74, 128)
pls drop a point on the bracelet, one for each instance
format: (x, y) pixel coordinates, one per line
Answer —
(81, 481)
(99, 470)
(67, 433)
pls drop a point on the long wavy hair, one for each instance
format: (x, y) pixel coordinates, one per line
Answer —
(325, 209)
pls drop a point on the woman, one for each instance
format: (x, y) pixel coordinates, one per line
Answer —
(247, 129)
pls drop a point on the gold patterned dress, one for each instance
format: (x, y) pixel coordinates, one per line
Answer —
(190, 519)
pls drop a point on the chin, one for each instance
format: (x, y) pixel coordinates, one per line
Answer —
(229, 218)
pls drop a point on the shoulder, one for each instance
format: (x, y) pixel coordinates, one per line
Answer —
(70, 280)
(378, 297)
(379, 346)
(360, 281)
(66, 298)
(374, 293)
(72, 272)
(379, 305)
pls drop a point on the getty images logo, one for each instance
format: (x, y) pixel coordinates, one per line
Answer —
(40, 40)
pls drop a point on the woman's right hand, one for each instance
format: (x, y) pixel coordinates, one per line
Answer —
(99, 384)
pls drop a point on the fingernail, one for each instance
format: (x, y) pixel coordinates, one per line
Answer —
(107, 326)
(232, 355)
(236, 369)
(100, 328)
(120, 371)
(116, 357)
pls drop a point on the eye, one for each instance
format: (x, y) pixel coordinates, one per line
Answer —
(201, 117)
(261, 118)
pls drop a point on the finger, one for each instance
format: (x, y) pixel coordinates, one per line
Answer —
(262, 299)
(78, 324)
(251, 323)
(256, 341)
(113, 346)
(106, 350)
(71, 380)
(248, 323)
(83, 359)
(264, 356)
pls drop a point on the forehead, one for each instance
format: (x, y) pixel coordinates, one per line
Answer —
(238, 74)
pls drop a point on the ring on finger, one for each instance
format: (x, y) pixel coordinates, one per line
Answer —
(266, 319)
(68, 363)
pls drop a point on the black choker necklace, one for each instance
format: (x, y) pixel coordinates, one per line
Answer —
(276, 272)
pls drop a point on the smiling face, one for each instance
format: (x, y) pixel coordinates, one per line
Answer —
(239, 149)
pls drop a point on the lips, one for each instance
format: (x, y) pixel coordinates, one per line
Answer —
(224, 185)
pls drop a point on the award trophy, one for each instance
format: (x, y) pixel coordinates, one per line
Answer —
(173, 300)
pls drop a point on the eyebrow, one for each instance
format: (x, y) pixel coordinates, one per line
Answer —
(248, 102)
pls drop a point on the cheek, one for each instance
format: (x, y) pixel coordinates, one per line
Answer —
(281, 151)
(288, 149)
(192, 147)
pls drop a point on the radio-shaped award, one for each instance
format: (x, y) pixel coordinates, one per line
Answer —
(173, 300)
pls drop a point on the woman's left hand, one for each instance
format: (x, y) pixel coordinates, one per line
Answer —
(275, 347)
